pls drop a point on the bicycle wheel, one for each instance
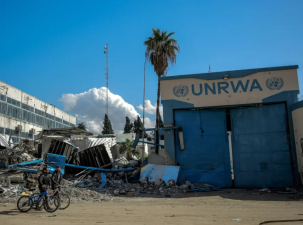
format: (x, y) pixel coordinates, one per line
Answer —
(25, 204)
(37, 204)
(64, 201)
(53, 204)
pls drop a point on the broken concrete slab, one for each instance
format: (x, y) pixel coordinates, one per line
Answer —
(164, 172)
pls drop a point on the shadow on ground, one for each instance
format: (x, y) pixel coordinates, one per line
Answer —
(12, 212)
(234, 194)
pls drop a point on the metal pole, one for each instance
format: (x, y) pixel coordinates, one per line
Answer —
(143, 145)
(107, 79)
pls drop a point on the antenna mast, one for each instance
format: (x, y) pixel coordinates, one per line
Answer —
(106, 75)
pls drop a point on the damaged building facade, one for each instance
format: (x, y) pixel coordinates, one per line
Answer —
(23, 116)
(240, 128)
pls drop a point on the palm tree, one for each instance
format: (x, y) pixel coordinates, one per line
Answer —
(127, 148)
(160, 51)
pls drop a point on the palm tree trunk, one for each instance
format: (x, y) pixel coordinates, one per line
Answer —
(157, 118)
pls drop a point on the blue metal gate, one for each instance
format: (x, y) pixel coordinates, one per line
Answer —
(261, 154)
(205, 158)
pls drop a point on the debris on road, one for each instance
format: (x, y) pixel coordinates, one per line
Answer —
(51, 215)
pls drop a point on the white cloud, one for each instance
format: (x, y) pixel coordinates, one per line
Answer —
(151, 109)
(90, 107)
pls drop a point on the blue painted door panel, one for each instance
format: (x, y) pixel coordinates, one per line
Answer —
(261, 154)
(206, 155)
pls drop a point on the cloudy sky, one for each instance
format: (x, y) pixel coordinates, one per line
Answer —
(54, 50)
(90, 106)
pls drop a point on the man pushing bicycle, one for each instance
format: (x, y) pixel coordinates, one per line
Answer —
(56, 181)
(44, 183)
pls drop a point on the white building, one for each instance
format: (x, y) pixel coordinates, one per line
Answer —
(24, 116)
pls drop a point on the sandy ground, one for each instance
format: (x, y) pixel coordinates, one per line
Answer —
(195, 208)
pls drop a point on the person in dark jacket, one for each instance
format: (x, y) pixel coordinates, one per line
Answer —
(44, 182)
(57, 178)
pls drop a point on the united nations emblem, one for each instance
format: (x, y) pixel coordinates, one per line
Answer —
(181, 90)
(274, 83)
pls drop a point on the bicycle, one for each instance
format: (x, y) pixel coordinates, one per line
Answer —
(38, 200)
(63, 197)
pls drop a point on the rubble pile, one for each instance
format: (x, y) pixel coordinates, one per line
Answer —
(158, 188)
(84, 194)
(17, 153)
(9, 193)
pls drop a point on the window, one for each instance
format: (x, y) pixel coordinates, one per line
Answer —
(27, 116)
(24, 135)
(2, 97)
(39, 120)
(1, 130)
(8, 131)
(18, 103)
(48, 123)
(15, 112)
(19, 114)
(15, 139)
(15, 132)
(24, 115)
(58, 120)
(9, 110)
(25, 106)
(32, 119)
(3, 107)
(9, 100)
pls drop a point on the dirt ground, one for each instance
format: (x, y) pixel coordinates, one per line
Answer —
(194, 208)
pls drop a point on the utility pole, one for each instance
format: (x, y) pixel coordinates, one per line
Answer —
(143, 133)
(106, 75)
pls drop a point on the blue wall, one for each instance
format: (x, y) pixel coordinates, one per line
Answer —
(289, 97)
(168, 119)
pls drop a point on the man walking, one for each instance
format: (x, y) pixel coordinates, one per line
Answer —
(56, 181)
(44, 182)
(57, 178)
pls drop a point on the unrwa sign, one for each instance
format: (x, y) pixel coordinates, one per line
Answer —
(274, 83)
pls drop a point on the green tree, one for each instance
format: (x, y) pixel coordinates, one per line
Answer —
(107, 126)
(128, 126)
(81, 126)
(129, 150)
(160, 51)
(139, 125)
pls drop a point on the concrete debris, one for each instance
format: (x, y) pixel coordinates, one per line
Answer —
(87, 189)
(51, 215)
(91, 194)
(11, 193)
(164, 172)
(17, 153)
(158, 188)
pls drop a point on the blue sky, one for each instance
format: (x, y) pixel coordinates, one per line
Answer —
(48, 48)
